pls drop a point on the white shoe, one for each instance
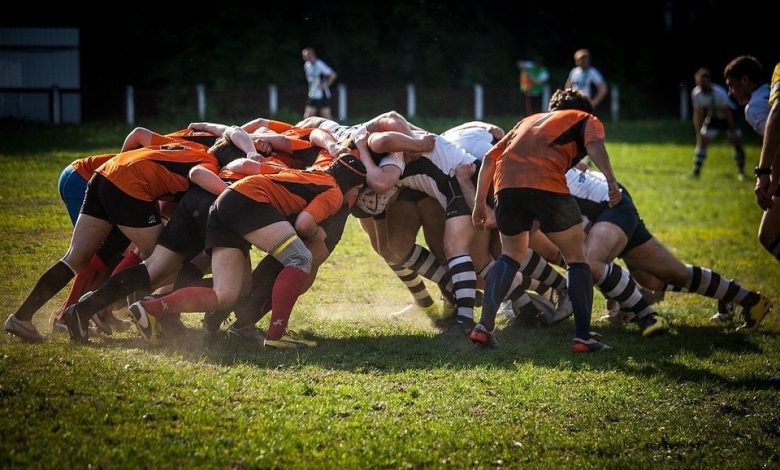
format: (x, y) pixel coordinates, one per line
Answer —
(23, 329)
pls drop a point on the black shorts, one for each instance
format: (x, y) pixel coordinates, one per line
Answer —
(233, 215)
(334, 227)
(107, 202)
(517, 208)
(318, 103)
(185, 233)
(456, 201)
(411, 195)
(625, 216)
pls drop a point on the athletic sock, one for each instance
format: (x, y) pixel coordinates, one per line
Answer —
(47, 286)
(288, 286)
(189, 299)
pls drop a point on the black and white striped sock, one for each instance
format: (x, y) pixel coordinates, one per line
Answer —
(414, 283)
(464, 281)
(616, 284)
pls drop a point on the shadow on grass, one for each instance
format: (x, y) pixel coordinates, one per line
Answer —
(363, 351)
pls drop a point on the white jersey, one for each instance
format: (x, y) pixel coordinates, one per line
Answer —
(757, 109)
(714, 101)
(315, 72)
(582, 79)
(342, 133)
(432, 172)
(474, 140)
(588, 185)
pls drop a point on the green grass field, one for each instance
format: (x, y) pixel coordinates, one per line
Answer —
(378, 392)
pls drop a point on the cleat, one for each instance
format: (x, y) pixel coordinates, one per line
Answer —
(481, 336)
(78, 327)
(529, 314)
(101, 325)
(23, 329)
(455, 325)
(725, 312)
(248, 333)
(213, 321)
(652, 325)
(506, 310)
(754, 314)
(170, 326)
(590, 345)
(145, 323)
(615, 315)
(289, 340)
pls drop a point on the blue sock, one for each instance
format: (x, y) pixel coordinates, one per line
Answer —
(497, 284)
(580, 285)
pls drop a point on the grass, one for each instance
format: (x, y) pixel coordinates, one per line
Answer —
(378, 392)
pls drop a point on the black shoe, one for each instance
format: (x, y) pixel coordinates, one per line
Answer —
(466, 324)
(213, 321)
(171, 326)
(455, 325)
(478, 298)
(529, 315)
(78, 325)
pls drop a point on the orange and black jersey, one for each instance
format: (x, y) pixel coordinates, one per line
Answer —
(304, 153)
(539, 150)
(151, 172)
(86, 167)
(293, 191)
(199, 137)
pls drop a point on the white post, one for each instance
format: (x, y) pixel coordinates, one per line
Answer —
(615, 102)
(56, 112)
(342, 88)
(273, 100)
(684, 109)
(545, 97)
(411, 101)
(479, 102)
(201, 91)
(130, 105)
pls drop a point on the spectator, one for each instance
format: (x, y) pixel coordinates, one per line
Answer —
(583, 77)
(320, 77)
(533, 78)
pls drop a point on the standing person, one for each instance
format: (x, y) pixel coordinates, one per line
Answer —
(527, 169)
(533, 78)
(320, 77)
(584, 78)
(713, 111)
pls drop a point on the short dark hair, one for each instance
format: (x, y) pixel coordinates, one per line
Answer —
(225, 151)
(702, 72)
(570, 98)
(348, 171)
(745, 65)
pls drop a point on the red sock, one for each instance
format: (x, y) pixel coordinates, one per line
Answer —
(288, 286)
(189, 299)
(90, 278)
(130, 260)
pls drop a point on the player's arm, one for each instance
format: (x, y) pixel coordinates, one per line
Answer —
(601, 93)
(479, 213)
(324, 139)
(380, 179)
(766, 185)
(139, 137)
(255, 124)
(206, 179)
(598, 154)
(392, 141)
(210, 127)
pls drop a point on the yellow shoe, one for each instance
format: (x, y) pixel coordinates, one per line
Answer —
(654, 325)
(289, 341)
(755, 314)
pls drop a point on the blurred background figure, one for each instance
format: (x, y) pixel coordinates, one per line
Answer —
(713, 111)
(585, 78)
(320, 77)
(533, 81)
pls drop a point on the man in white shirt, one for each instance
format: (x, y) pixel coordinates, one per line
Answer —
(712, 113)
(320, 77)
(584, 78)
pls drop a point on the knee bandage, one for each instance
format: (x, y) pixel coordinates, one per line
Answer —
(292, 252)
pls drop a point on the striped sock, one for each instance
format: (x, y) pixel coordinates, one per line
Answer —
(616, 284)
(708, 283)
(422, 262)
(464, 281)
(414, 283)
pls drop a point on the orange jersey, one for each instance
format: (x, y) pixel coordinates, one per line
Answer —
(151, 172)
(293, 191)
(266, 168)
(279, 126)
(303, 154)
(86, 166)
(539, 150)
(200, 137)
